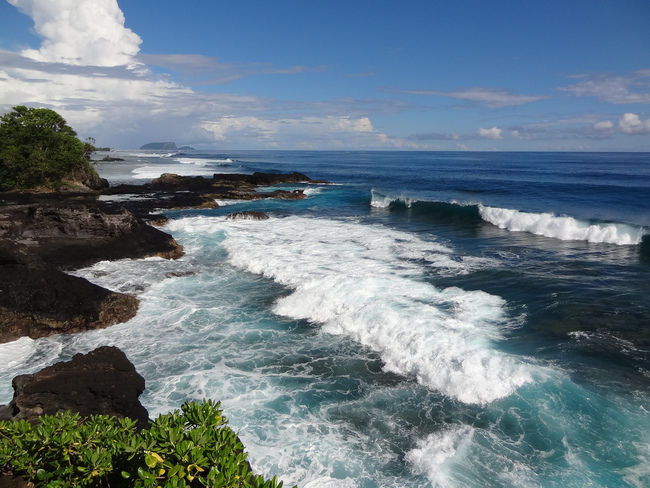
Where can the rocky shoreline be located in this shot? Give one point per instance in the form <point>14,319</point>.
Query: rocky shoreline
<point>42,235</point>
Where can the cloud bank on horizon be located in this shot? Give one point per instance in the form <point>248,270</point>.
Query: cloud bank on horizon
<point>90,68</point>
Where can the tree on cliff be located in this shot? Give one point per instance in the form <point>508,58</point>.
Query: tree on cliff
<point>39,149</point>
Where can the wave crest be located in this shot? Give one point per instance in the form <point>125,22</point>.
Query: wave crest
<point>361,282</point>
<point>384,201</point>
<point>563,228</point>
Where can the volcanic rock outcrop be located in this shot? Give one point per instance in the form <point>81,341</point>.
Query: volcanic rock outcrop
<point>102,382</point>
<point>41,239</point>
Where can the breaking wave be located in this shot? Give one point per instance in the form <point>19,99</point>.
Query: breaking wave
<point>564,228</point>
<point>545,224</point>
<point>362,282</point>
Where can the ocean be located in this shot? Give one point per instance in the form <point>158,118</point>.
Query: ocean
<point>451,319</point>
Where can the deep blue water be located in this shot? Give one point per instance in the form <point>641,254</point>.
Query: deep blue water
<point>432,319</point>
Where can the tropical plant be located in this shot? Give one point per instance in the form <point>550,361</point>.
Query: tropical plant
<point>39,149</point>
<point>190,447</point>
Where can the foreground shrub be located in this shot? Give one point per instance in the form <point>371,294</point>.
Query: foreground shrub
<point>189,447</point>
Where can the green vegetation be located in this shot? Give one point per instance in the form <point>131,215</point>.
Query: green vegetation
<point>190,447</point>
<point>39,150</point>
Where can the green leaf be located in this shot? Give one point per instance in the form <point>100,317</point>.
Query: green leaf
<point>65,450</point>
<point>150,460</point>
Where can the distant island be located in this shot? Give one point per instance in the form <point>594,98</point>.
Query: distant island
<point>160,146</point>
<point>166,146</point>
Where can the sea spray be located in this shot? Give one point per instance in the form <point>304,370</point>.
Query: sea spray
<point>564,228</point>
<point>434,455</point>
<point>384,201</point>
<point>353,280</point>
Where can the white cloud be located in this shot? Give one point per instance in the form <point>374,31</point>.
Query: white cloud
<point>309,132</point>
<point>487,97</point>
<point>88,69</point>
<point>88,32</point>
<point>613,89</point>
<point>632,124</point>
<point>493,133</point>
<point>122,107</point>
<point>605,125</point>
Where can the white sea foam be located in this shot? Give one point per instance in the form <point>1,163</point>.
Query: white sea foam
<point>194,337</point>
<point>638,475</point>
<point>360,281</point>
<point>228,201</point>
<point>123,198</point>
<point>312,190</point>
<point>147,154</point>
<point>434,454</point>
<point>152,171</point>
<point>14,355</point>
<point>331,483</point>
<point>11,354</point>
<point>384,201</point>
<point>204,161</point>
<point>564,228</point>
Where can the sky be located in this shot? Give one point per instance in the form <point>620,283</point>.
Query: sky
<point>467,75</point>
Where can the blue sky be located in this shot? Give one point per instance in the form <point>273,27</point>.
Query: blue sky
<point>409,75</point>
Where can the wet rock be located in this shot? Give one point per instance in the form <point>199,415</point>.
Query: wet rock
<point>42,301</point>
<point>102,382</point>
<point>172,191</point>
<point>179,274</point>
<point>157,220</point>
<point>70,235</point>
<point>40,239</point>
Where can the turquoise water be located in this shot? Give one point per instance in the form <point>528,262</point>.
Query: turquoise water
<point>433,319</point>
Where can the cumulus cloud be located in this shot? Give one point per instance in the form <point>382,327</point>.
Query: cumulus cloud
<point>620,89</point>
<point>122,107</point>
<point>632,124</point>
<point>604,125</point>
<point>487,97</point>
<point>89,32</point>
<point>313,132</point>
<point>493,133</point>
<point>88,68</point>
<point>583,127</point>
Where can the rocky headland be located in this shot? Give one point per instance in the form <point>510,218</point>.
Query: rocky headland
<point>43,235</point>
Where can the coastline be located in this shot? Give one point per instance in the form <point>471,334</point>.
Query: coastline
<point>300,324</point>
<point>42,235</point>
